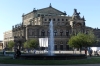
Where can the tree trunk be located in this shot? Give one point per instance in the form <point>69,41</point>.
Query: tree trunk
<point>85,50</point>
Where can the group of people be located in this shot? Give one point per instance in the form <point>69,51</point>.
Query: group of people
<point>17,53</point>
<point>90,51</point>
<point>96,53</point>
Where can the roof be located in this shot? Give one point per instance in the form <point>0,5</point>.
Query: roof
<point>50,10</point>
<point>47,10</point>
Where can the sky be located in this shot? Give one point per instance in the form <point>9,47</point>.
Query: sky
<point>11,11</point>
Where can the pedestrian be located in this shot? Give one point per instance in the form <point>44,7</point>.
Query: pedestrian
<point>85,51</point>
<point>4,52</point>
<point>34,51</point>
<point>91,52</point>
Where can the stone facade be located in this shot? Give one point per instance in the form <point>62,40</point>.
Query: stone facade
<point>97,34</point>
<point>8,36</point>
<point>36,25</point>
<point>1,45</point>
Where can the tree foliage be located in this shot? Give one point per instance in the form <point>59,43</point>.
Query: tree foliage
<point>82,40</point>
<point>32,43</point>
<point>11,44</point>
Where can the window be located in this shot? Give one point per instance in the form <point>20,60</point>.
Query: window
<point>55,33</point>
<point>53,19</point>
<point>30,32</point>
<point>61,47</point>
<point>42,15</point>
<point>38,15</point>
<point>66,20</point>
<point>62,19</point>
<point>33,32</point>
<point>58,19</point>
<point>49,19</point>
<point>45,19</point>
<point>42,33</point>
<point>61,32</point>
<point>46,15</point>
<point>67,33</point>
<point>67,47</point>
<point>55,47</point>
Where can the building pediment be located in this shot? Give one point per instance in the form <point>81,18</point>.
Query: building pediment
<point>49,10</point>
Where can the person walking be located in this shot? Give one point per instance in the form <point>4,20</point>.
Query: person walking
<point>4,52</point>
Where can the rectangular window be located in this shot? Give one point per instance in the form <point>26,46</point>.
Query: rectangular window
<point>61,33</point>
<point>58,19</point>
<point>61,47</point>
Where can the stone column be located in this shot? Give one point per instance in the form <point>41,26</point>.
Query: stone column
<point>27,33</point>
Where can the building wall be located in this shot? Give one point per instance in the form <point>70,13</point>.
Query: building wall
<point>1,45</point>
<point>8,36</point>
<point>26,18</point>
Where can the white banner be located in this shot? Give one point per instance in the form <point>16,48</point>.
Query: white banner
<point>43,42</point>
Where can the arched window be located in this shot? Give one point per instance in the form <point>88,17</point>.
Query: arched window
<point>61,32</point>
<point>42,33</point>
<point>55,32</point>
<point>67,33</point>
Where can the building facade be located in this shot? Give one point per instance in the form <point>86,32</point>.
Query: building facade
<point>8,36</point>
<point>1,45</point>
<point>36,25</point>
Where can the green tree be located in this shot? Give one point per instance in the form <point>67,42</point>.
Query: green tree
<point>11,44</point>
<point>26,44</point>
<point>32,43</point>
<point>82,40</point>
<point>91,39</point>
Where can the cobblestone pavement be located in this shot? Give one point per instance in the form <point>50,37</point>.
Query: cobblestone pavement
<point>51,65</point>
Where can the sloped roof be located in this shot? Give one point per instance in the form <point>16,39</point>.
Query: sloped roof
<point>49,10</point>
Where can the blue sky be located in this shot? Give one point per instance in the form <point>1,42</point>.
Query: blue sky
<point>11,10</point>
